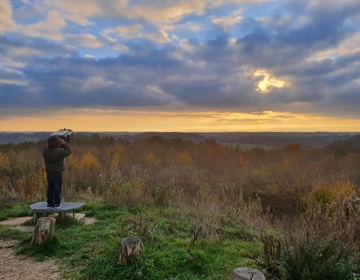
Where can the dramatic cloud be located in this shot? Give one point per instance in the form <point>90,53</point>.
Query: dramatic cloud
<point>221,56</point>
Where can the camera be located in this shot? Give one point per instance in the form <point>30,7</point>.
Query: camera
<point>64,134</point>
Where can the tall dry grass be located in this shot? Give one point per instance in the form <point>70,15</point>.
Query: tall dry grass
<point>166,171</point>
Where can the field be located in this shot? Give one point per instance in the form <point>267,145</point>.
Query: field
<point>200,209</point>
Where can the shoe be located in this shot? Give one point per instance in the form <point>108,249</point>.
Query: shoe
<point>56,205</point>
<point>49,205</point>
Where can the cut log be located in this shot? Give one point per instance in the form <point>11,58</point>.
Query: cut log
<point>246,273</point>
<point>130,249</point>
<point>44,230</point>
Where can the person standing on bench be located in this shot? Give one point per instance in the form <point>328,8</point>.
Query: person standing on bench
<point>54,153</point>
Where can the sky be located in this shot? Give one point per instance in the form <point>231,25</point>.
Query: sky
<point>180,65</point>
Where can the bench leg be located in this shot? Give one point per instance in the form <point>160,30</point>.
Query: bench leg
<point>35,217</point>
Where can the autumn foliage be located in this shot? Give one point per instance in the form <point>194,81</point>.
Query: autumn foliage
<point>313,187</point>
<point>287,182</point>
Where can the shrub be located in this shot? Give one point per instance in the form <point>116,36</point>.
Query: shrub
<point>316,260</point>
<point>272,248</point>
<point>129,191</point>
<point>328,196</point>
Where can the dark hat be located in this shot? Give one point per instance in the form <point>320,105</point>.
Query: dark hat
<point>53,142</point>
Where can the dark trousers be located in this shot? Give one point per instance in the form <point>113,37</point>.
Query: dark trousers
<point>54,181</point>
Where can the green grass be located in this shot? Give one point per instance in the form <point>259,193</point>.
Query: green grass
<point>168,249</point>
<point>8,233</point>
<point>14,211</point>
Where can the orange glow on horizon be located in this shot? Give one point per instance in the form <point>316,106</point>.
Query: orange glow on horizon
<point>138,121</point>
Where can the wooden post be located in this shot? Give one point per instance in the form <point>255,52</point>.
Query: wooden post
<point>44,230</point>
<point>130,249</point>
<point>246,273</point>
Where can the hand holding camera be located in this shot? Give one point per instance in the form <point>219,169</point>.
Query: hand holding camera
<point>62,142</point>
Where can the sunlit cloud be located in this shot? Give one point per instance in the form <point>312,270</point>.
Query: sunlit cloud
<point>189,25</point>
<point>76,11</point>
<point>229,20</point>
<point>350,44</point>
<point>167,12</point>
<point>160,37</point>
<point>49,28</point>
<point>128,31</point>
<point>6,22</point>
<point>181,64</point>
<point>86,40</point>
<point>268,82</point>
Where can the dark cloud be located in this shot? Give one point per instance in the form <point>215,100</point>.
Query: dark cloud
<point>216,73</point>
<point>318,68</point>
<point>38,47</point>
<point>254,41</point>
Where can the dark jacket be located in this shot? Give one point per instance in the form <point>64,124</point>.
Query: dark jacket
<point>54,158</point>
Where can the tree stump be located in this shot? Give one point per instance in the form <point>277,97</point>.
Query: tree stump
<point>44,230</point>
<point>130,249</point>
<point>246,273</point>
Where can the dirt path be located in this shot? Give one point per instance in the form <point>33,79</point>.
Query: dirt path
<point>13,267</point>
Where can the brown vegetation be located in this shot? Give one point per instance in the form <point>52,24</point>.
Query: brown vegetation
<point>309,187</point>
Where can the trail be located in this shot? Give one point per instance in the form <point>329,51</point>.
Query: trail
<point>13,267</point>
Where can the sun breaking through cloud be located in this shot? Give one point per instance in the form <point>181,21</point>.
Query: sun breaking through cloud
<point>268,82</point>
<point>180,57</point>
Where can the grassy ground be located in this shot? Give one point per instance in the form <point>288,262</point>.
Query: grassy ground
<point>13,211</point>
<point>175,244</point>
